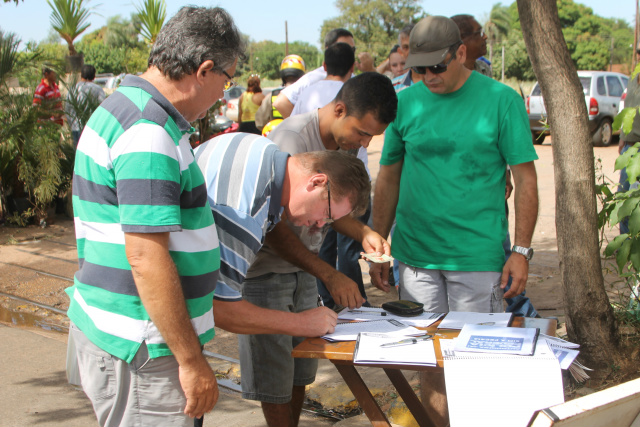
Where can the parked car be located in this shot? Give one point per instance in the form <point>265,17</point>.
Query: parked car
<point>108,81</point>
<point>231,99</point>
<point>602,93</point>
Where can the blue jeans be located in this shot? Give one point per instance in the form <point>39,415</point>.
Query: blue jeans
<point>343,252</point>
<point>520,305</point>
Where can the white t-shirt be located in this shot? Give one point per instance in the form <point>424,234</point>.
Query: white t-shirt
<point>292,92</point>
<point>316,96</point>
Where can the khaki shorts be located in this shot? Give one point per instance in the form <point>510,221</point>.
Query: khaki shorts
<point>145,392</point>
<point>442,291</point>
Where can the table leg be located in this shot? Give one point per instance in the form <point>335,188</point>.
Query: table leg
<point>409,396</point>
<point>434,397</point>
<point>363,395</point>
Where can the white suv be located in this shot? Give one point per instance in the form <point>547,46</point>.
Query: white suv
<point>602,92</point>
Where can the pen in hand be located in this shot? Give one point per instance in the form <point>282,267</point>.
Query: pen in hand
<point>408,341</point>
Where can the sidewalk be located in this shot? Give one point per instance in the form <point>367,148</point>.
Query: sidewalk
<point>34,389</point>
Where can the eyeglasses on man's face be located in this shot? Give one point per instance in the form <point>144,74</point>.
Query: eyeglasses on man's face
<point>329,220</point>
<point>229,83</point>
<point>435,69</point>
<point>480,32</point>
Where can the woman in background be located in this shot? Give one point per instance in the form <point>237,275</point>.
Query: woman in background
<point>248,104</point>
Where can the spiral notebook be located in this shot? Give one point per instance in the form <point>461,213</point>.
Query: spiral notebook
<point>500,390</point>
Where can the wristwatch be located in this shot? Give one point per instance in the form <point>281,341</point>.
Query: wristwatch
<point>525,252</point>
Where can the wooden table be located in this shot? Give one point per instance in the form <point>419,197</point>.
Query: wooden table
<point>341,355</point>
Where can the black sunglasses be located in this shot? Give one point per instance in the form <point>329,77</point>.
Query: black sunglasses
<point>435,69</point>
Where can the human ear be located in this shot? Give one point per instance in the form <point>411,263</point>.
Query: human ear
<point>340,109</point>
<point>204,67</point>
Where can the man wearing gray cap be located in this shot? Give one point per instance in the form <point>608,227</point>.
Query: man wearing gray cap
<point>442,176</point>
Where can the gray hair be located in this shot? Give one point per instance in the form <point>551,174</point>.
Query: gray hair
<point>195,35</point>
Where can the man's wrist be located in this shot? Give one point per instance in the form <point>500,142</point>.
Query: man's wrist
<point>527,253</point>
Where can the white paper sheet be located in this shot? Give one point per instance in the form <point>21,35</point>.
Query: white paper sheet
<point>424,320</point>
<point>350,331</point>
<point>500,390</point>
<point>457,319</point>
<point>369,350</point>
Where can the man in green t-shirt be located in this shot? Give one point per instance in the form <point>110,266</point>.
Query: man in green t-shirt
<point>442,176</point>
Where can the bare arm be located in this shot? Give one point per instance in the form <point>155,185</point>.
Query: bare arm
<point>371,241</point>
<point>158,284</point>
<point>385,201</point>
<point>526,206</point>
<point>283,105</point>
<point>288,246</point>
<point>242,317</point>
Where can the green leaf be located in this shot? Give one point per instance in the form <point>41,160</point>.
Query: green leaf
<point>622,257</point>
<point>615,244</point>
<point>634,254</point>
<point>622,116</point>
<point>627,207</point>
<point>627,121</point>
<point>635,71</point>
<point>614,218</point>
<point>633,169</point>
<point>623,160</point>
<point>634,222</point>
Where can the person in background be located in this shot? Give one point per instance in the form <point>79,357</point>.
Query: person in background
<point>291,69</point>
<point>475,39</point>
<point>248,105</point>
<point>396,61</point>
<point>287,99</point>
<point>48,95</point>
<point>141,306</point>
<point>86,95</point>
<point>411,76</point>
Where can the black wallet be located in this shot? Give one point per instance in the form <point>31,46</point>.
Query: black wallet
<point>404,308</point>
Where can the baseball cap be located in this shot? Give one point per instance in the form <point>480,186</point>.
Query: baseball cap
<point>430,41</point>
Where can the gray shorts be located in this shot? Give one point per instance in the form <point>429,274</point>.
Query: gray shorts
<point>267,368</point>
<point>442,291</point>
<point>145,392</point>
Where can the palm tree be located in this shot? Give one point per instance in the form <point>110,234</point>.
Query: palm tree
<point>152,14</point>
<point>498,25</point>
<point>69,18</point>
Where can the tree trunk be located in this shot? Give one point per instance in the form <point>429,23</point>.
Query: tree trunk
<point>589,315</point>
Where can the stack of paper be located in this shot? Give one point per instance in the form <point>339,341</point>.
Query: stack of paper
<point>497,339</point>
<point>350,331</point>
<point>369,349</point>
<point>423,320</point>
<point>566,354</point>
<point>499,389</point>
<point>457,319</point>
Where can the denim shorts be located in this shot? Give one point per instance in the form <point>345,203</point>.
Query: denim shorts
<point>145,392</point>
<point>442,291</point>
<point>267,368</point>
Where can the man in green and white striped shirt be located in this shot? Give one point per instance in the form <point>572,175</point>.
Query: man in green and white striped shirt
<point>141,303</point>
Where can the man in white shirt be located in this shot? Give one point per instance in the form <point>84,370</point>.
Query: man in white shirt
<point>289,96</point>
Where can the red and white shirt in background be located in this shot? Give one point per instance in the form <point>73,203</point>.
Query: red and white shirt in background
<point>49,95</point>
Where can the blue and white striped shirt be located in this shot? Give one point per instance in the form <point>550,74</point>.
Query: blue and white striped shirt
<point>244,174</point>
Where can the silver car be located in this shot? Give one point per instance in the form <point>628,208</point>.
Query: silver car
<point>602,93</point>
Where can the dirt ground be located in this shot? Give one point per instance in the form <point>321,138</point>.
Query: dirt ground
<point>25,253</point>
